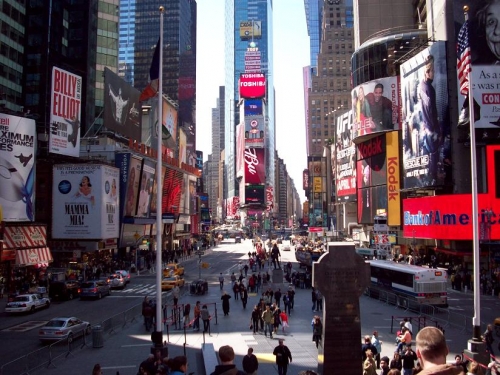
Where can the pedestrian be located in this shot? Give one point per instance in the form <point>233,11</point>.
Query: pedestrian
<point>409,358</point>
<point>97,369</point>
<point>233,279</point>
<point>187,312</point>
<point>377,344</point>
<point>244,296</point>
<point>432,351</point>
<point>277,297</point>
<point>250,363</point>
<point>367,346</point>
<point>197,315</point>
<point>176,293</point>
<point>227,366</point>
<point>225,303</point>
<point>396,362</point>
<point>283,357</point>
<point>284,320</point>
<point>221,281</point>
<point>276,319</point>
<point>177,365</point>
<point>205,316</point>
<point>488,339</point>
<point>408,325</point>
<point>319,301</point>
<point>369,364</point>
<point>404,339</point>
<point>236,291</point>
<point>317,330</point>
<point>246,269</point>
<point>384,365</point>
<point>148,313</point>
<point>286,302</point>
<point>313,299</point>
<point>254,319</point>
<point>268,318</point>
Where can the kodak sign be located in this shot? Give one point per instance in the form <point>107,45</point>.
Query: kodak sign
<point>393,179</point>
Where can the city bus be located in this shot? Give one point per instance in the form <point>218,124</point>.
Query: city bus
<point>422,284</point>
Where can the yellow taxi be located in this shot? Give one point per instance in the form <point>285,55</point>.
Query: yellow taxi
<point>169,283</point>
<point>176,268</point>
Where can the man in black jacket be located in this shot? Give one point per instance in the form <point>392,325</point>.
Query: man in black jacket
<point>227,366</point>
<point>409,357</point>
<point>250,363</point>
<point>283,357</point>
<point>368,346</point>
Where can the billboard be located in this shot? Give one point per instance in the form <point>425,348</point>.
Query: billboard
<point>305,179</point>
<point>65,113</point>
<point>252,85</point>
<point>253,107</point>
<point>85,201</point>
<point>122,109</point>
<point>393,179</point>
<point>254,131</point>
<point>426,128</point>
<point>132,187</point>
<point>17,166</point>
<point>375,106</point>
<point>269,198</point>
<point>255,167</point>
<point>250,30</point>
<point>240,151</point>
<point>344,159</point>
<point>253,62</point>
<point>255,194</point>
<point>146,187</point>
<point>153,205</point>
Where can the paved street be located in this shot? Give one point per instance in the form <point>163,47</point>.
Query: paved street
<point>124,350</point>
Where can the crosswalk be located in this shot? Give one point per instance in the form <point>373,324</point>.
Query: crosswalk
<point>136,290</point>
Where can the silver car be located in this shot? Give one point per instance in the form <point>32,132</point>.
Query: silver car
<point>116,280</point>
<point>125,274</point>
<point>94,289</point>
<point>63,328</point>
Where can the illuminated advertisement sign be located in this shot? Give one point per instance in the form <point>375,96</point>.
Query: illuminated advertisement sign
<point>252,61</point>
<point>253,107</point>
<point>393,179</point>
<point>269,198</point>
<point>254,130</point>
<point>65,113</point>
<point>448,217</point>
<point>371,178</point>
<point>85,201</point>
<point>318,185</point>
<point>122,109</point>
<point>17,166</point>
<point>250,30</point>
<point>240,151</point>
<point>255,194</point>
<point>344,159</point>
<point>375,106</point>
<point>146,187</point>
<point>305,179</point>
<point>485,58</point>
<point>426,133</point>
<point>255,168</point>
<point>252,85</point>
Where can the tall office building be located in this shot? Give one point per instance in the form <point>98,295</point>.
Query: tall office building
<point>314,16</point>
<point>239,42</point>
<point>179,58</point>
<point>127,38</point>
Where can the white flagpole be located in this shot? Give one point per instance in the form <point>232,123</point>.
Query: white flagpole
<point>159,189</point>
<point>476,320</point>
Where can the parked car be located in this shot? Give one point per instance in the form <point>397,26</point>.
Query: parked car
<point>63,328</point>
<point>64,290</point>
<point>177,268</point>
<point>125,274</point>
<point>94,289</point>
<point>170,282</point>
<point>27,302</point>
<point>116,280</point>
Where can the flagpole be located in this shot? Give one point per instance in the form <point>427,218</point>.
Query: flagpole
<point>159,189</point>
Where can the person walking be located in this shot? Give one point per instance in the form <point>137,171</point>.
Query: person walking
<point>197,316</point>
<point>283,357</point>
<point>236,290</point>
<point>221,281</point>
<point>250,363</point>
<point>268,318</point>
<point>254,319</point>
<point>284,320</point>
<point>277,297</point>
<point>313,299</point>
<point>377,344</point>
<point>317,330</point>
<point>187,312</point>
<point>244,296</point>
<point>176,293</point>
<point>225,303</point>
<point>205,316</point>
<point>488,339</point>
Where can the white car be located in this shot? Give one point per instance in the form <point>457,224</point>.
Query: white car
<point>27,302</point>
<point>125,274</point>
<point>63,328</point>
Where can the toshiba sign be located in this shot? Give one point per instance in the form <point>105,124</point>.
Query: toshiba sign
<point>252,85</point>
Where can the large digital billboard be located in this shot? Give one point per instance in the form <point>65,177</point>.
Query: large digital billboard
<point>65,113</point>
<point>344,159</point>
<point>255,167</point>
<point>147,180</point>
<point>250,29</point>
<point>253,107</point>
<point>85,201</point>
<point>255,194</point>
<point>252,85</point>
<point>122,109</point>
<point>17,166</point>
<point>132,187</point>
<point>254,131</point>
<point>426,128</point>
<point>375,106</point>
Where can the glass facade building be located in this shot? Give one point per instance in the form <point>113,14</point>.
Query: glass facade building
<point>127,37</point>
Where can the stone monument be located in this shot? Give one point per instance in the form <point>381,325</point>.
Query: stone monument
<point>341,276</point>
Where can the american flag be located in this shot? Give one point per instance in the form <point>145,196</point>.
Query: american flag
<point>463,61</point>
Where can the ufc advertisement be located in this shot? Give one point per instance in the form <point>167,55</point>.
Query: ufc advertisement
<point>371,178</point>
<point>255,194</point>
<point>254,164</point>
<point>426,129</point>
<point>122,109</point>
<point>252,85</point>
<point>254,131</point>
<point>344,159</point>
<point>448,217</point>
<point>65,113</point>
<point>17,166</point>
<point>375,106</point>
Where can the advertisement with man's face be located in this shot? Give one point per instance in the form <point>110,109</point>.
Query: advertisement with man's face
<point>344,159</point>
<point>85,201</point>
<point>65,113</point>
<point>17,168</point>
<point>375,106</point>
<point>146,187</point>
<point>426,130</point>
<point>130,204</point>
<point>484,41</point>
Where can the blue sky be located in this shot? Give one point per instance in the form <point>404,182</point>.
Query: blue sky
<point>291,54</point>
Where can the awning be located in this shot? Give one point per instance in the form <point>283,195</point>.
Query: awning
<point>32,257</point>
